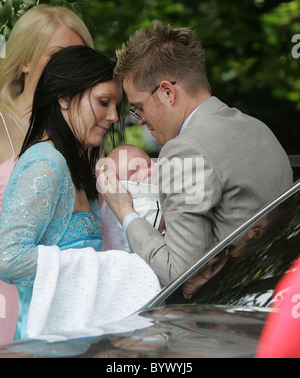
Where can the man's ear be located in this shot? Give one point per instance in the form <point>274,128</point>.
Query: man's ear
<point>255,232</point>
<point>169,90</point>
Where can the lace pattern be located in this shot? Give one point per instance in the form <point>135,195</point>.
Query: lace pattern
<point>37,208</point>
<point>82,226</point>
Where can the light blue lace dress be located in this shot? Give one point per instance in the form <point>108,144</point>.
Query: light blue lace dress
<point>38,210</point>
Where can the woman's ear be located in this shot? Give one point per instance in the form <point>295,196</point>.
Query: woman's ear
<point>26,67</point>
<point>64,103</point>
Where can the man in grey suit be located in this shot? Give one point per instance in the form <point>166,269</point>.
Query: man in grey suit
<point>217,166</point>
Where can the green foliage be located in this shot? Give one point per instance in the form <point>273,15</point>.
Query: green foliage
<point>279,27</point>
<point>10,11</point>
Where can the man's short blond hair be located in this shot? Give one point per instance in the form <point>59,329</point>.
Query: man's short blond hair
<point>163,52</point>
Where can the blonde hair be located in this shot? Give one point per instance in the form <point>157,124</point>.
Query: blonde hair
<point>162,52</point>
<point>27,41</point>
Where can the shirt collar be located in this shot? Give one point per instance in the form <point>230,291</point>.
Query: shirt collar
<point>185,123</point>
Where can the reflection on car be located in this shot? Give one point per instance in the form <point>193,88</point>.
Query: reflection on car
<point>247,270</point>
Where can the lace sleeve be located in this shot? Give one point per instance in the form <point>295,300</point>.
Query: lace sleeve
<point>31,200</point>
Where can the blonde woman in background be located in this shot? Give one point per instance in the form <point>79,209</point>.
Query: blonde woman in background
<point>36,36</point>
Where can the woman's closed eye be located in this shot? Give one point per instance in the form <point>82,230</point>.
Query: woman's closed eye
<point>103,103</point>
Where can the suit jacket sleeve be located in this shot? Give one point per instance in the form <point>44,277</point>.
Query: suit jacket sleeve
<point>190,190</point>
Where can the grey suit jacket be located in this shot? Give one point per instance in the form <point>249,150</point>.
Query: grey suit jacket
<point>239,166</point>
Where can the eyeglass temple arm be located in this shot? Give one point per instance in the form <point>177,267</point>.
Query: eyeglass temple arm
<point>156,88</point>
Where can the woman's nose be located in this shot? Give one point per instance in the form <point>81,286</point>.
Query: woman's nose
<point>112,115</point>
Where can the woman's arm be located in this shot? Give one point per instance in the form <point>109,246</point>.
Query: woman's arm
<point>31,201</point>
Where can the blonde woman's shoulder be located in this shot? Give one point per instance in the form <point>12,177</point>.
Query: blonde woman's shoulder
<point>7,137</point>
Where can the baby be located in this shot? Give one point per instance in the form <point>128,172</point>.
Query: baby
<point>137,172</point>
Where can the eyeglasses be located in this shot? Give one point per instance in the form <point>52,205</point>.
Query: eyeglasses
<point>135,111</point>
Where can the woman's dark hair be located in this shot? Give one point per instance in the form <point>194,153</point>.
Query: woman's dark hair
<point>71,72</point>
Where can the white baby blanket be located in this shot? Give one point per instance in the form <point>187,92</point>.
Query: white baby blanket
<point>77,291</point>
<point>145,198</point>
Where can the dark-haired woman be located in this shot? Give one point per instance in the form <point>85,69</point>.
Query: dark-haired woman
<point>51,198</point>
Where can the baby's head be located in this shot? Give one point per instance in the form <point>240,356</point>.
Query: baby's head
<point>131,163</point>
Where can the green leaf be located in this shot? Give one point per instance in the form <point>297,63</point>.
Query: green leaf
<point>6,11</point>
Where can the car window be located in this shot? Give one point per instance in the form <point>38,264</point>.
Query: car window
<point>247,270</point>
